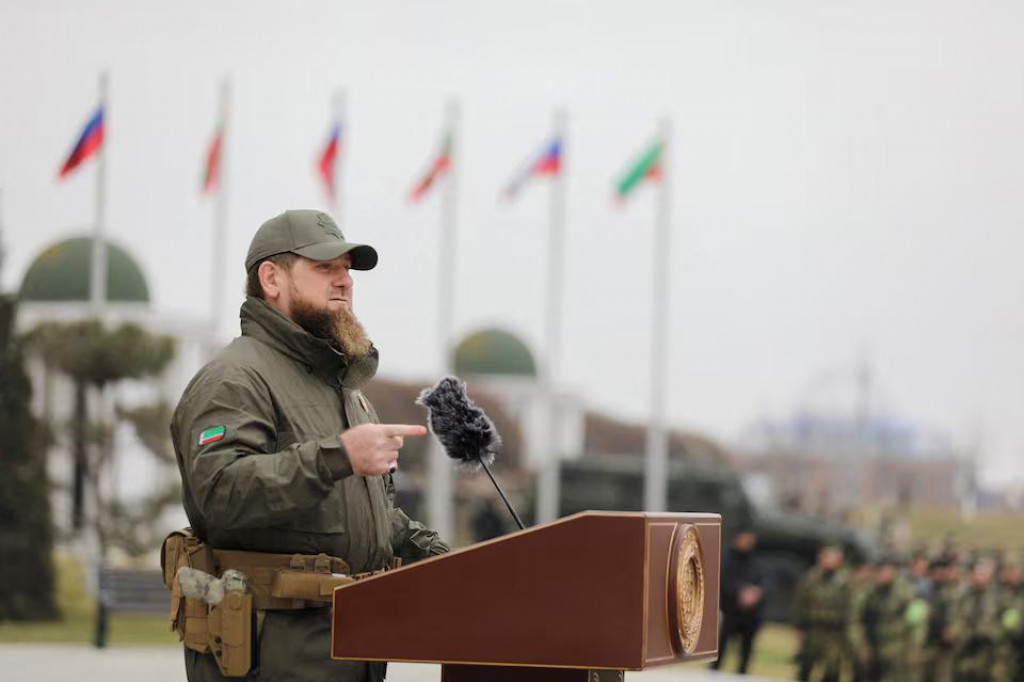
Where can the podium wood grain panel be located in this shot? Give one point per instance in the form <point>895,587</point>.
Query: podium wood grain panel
<point>580,592</point>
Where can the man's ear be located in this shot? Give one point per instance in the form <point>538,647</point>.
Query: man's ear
<point>271,280</point>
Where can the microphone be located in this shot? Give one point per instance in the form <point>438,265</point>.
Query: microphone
<point>467,434</point>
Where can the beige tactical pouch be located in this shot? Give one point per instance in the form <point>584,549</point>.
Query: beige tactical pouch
<point>188,616</point>
<point>305,585</point>
<point>231,639</point>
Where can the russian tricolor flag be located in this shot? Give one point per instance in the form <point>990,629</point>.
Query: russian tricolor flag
<point>89,142</point>
<point>329,159</point>
<point>548,162</point>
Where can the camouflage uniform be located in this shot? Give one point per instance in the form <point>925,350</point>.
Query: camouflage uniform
<point>861,584</point>
<point>1009,665</point>
<point>939,643</point>
<point>821,612</point>
<point>889,632</point>
<point>977,632</point>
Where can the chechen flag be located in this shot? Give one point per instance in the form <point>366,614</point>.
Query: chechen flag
<point>89,143</point>
<point>548,162</point>
<point>646,167</point>
<point>438,167</point>
<point>329,159</point>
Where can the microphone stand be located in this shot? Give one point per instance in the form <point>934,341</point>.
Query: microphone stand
<point>501,492</point>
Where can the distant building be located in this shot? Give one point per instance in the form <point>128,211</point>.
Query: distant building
<point>819,463</point>
<point>499,363</point>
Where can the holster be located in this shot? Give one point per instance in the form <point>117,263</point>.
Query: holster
<point>274,582</point>
<point>231,634</point>
<point>188,616</point>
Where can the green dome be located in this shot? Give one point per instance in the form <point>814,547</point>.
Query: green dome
<point>62,272</point>
<point>494,351</point>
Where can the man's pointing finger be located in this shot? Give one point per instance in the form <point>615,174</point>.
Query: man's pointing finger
<point>406,430</point>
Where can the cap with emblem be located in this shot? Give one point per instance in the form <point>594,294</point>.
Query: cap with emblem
<point>310,234</point>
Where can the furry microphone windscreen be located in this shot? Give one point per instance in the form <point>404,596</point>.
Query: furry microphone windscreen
<point>463,429</point>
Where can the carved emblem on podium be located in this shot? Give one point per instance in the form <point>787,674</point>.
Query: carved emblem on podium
<point>686,589</point>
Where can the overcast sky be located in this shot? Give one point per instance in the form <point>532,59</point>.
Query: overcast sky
<point>846,180</point>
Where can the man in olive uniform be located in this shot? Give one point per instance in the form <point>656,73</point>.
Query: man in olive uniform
<point>940,639</point>
<point>888,633</point>
<point>977,626</point>
<point>280,452</point>
<point>821,612</point>
<point>862,582</point>
<point>1010,661</point>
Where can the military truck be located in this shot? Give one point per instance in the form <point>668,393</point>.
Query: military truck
<point>788,542</point>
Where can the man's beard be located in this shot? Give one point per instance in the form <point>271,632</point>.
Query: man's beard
<point>339,328</point>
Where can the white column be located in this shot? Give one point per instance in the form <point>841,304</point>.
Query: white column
<point>441,515</point>
<point>656,472</point>
<point>548,472</point>
<point>98,283</point>
<point>2,254</point>
<point>340,107</point>
<point>218,257</point>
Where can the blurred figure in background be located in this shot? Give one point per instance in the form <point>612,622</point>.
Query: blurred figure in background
<point>940,637</point>
<point>821,613</point>
<point>919,576</point>
<point>487,521</point>
<point>888,632</point>
<point>742,597</point>
<point>977,627</point>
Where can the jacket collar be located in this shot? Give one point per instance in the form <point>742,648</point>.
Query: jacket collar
<point>265,324</point>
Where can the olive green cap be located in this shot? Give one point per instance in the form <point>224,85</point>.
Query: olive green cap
<point>310,234</point>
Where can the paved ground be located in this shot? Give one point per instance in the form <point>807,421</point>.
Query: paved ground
<point>69,663</point>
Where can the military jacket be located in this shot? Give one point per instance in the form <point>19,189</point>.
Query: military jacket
<point>942,608</point>
<point>890,620</point>
<point>257,436</point>
<point>822,601</point>
<point>977,620</point>
<point>1011,610</point>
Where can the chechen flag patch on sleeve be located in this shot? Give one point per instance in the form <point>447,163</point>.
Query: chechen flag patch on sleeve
<point>211,435</point>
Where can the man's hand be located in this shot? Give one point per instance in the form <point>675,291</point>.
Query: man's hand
<point>373,448</point>
<point>749,597</point>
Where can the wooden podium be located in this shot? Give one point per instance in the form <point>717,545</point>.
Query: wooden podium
<point>580,599</point>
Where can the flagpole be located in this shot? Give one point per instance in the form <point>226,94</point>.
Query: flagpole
<point>340,106</point>
<point>656,472</point>
<point>441,513</point>
<point>218,257</point>
<point>2,252</point>
<point>98,283</point>
<point>548,482</point>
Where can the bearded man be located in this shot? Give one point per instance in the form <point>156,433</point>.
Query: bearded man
<point>283,461</point>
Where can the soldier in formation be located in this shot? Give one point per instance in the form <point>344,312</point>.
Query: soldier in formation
<point>886,632</point>
<point>821,611</point>
<point>940,640</point>
<point>949,620</point>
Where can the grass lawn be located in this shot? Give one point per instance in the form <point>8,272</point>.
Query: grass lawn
<point>125,630</point>
<point>77,626</point>
<point>773,653</point>
<point>982,531</point>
